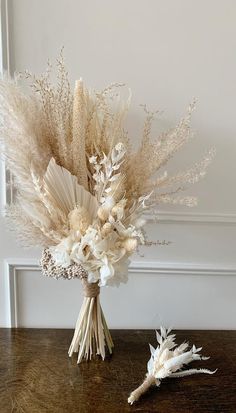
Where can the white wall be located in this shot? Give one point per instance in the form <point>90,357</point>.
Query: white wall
<point>167,52</point>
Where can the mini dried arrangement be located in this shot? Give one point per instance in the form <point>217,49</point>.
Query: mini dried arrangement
<point>82,191</point>
<point>168,360</point>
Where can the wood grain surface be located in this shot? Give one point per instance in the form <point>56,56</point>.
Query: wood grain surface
<point>37,376</point>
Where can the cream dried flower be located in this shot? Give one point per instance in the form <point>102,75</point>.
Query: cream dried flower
<point>168,360</point>
<point>130,244</point>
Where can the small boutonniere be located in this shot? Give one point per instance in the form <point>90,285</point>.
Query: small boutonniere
<point>168,360</point>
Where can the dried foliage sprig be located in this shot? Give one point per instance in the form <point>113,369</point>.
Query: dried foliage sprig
<point>168,360</point>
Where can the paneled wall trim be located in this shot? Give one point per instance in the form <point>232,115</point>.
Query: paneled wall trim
<point>13,265</point>
<point>192,217</point>
<point>4,34</point>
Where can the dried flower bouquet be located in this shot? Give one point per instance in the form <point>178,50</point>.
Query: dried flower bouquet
<point>82,191</point>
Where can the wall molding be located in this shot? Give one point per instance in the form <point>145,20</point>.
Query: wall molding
<point>5,68</point>
<point>167,217</point>
<point>5,37</point>
<point>13,265</point>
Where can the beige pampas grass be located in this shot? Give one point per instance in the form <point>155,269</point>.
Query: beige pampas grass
<point>54,123</point>
<point>78,142</point>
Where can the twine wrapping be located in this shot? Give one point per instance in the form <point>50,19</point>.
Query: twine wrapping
<point>135,395</point>
<point>90,289</point>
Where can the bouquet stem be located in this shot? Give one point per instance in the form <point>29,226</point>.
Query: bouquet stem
<point>91,331</point>
<point>136,394</point>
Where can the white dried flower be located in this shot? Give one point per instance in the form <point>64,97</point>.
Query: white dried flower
<point>168,360</point>
<point>105,208</point>
<point>61,253</point>
<point>130,244</point>
<point>109,202</point>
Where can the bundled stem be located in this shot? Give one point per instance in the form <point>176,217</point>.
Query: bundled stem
<point>91,331</point>
<point>137,393</point>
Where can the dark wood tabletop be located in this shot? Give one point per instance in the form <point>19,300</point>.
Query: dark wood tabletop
<point>37,376</point>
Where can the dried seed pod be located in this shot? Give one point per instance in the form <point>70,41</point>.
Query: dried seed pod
<point>79,219</point>
<point>106,229</point>
<point>103,213</point>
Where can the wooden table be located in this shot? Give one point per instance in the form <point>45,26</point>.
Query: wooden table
<point>36,375</point>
